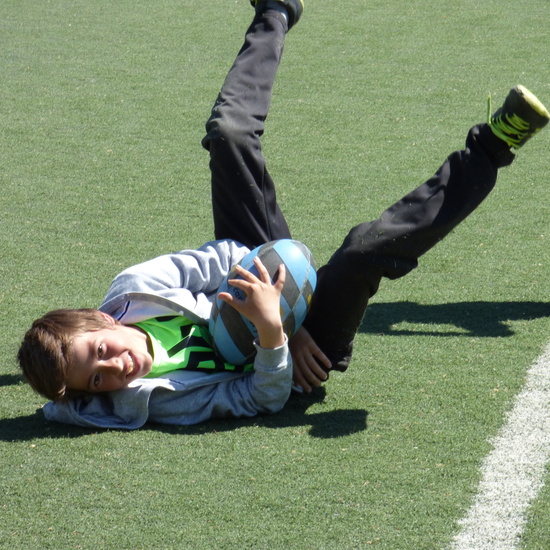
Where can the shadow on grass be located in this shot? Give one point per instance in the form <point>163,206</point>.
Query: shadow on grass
<point>35,426</point>
<point>323,425</point>
<point>10,379</point>
<point>479,319</point>
<point>32,426</point>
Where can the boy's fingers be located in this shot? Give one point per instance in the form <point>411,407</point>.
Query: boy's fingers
<point>299,380</point>
<point>264,276</point>
<point>262,270</point>
<point>304,377</point>
<point>317,372</point>
<point>307,373</point>
<point>227,297</point>
<point>235,303</point>
<point>320,356</point>
<point>239,283</point>
<point>244,273</point>
<point>260,265</point>
<point>282,276</point>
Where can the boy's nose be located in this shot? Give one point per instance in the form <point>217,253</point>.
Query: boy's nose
<point>113,364</point>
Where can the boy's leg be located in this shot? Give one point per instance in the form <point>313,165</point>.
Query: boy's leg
<point>243,194</point>
<point>391,245</point>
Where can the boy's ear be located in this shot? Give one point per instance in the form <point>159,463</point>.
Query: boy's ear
<point>108,318</point>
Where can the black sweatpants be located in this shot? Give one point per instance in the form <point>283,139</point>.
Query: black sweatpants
<point>245,206</point>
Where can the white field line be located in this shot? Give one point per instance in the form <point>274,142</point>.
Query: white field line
<point>513,473</point>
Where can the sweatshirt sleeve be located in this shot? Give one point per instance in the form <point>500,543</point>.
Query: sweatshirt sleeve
<point>197,271</point>
<point>264,391</point>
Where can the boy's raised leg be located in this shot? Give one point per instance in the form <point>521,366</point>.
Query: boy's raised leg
<point>243,193</point>
<point>391,245</point>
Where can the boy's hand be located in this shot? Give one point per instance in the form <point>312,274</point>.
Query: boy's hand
<point>262,305</point>
<point>306,356</point>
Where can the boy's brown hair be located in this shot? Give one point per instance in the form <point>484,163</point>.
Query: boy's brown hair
<point>46,350</point>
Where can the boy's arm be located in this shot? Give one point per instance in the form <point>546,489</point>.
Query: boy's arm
<point>267,389</point>
<point>200,270</point>
<point>264,391</point>
<point>189,278</point>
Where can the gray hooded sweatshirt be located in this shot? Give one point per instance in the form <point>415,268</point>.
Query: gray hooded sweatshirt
<point>184,283</point>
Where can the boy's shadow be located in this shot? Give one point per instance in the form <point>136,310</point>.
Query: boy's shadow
<point>479,319</point>
<point>32,426</point>
<point>322,425</point>
<point>35,426</point>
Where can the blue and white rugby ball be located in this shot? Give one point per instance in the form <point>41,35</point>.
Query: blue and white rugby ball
<point>233,334</point>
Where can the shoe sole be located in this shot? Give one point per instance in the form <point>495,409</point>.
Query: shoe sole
<point>533,101</point>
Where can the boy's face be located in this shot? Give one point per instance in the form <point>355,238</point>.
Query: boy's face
<point>109,359</point>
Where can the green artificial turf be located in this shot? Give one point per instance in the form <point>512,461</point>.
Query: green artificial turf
<point>102,111</point>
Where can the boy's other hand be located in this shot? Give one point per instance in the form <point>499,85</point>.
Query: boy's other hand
<point>306,356</point>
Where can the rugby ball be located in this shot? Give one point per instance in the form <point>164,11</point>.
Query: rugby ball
<point>233,334</point>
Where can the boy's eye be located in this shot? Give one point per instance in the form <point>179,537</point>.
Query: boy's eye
<point>96,380</point>
<point>100,351</point>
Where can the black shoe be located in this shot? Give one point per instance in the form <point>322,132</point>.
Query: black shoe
<point>294,8</point>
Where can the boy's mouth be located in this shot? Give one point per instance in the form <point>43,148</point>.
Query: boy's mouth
<point>132,367</point>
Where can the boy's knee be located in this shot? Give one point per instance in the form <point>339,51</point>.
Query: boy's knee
<point>227,131</point>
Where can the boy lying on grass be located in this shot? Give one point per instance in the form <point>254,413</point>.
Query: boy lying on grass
<point>146,353</point>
